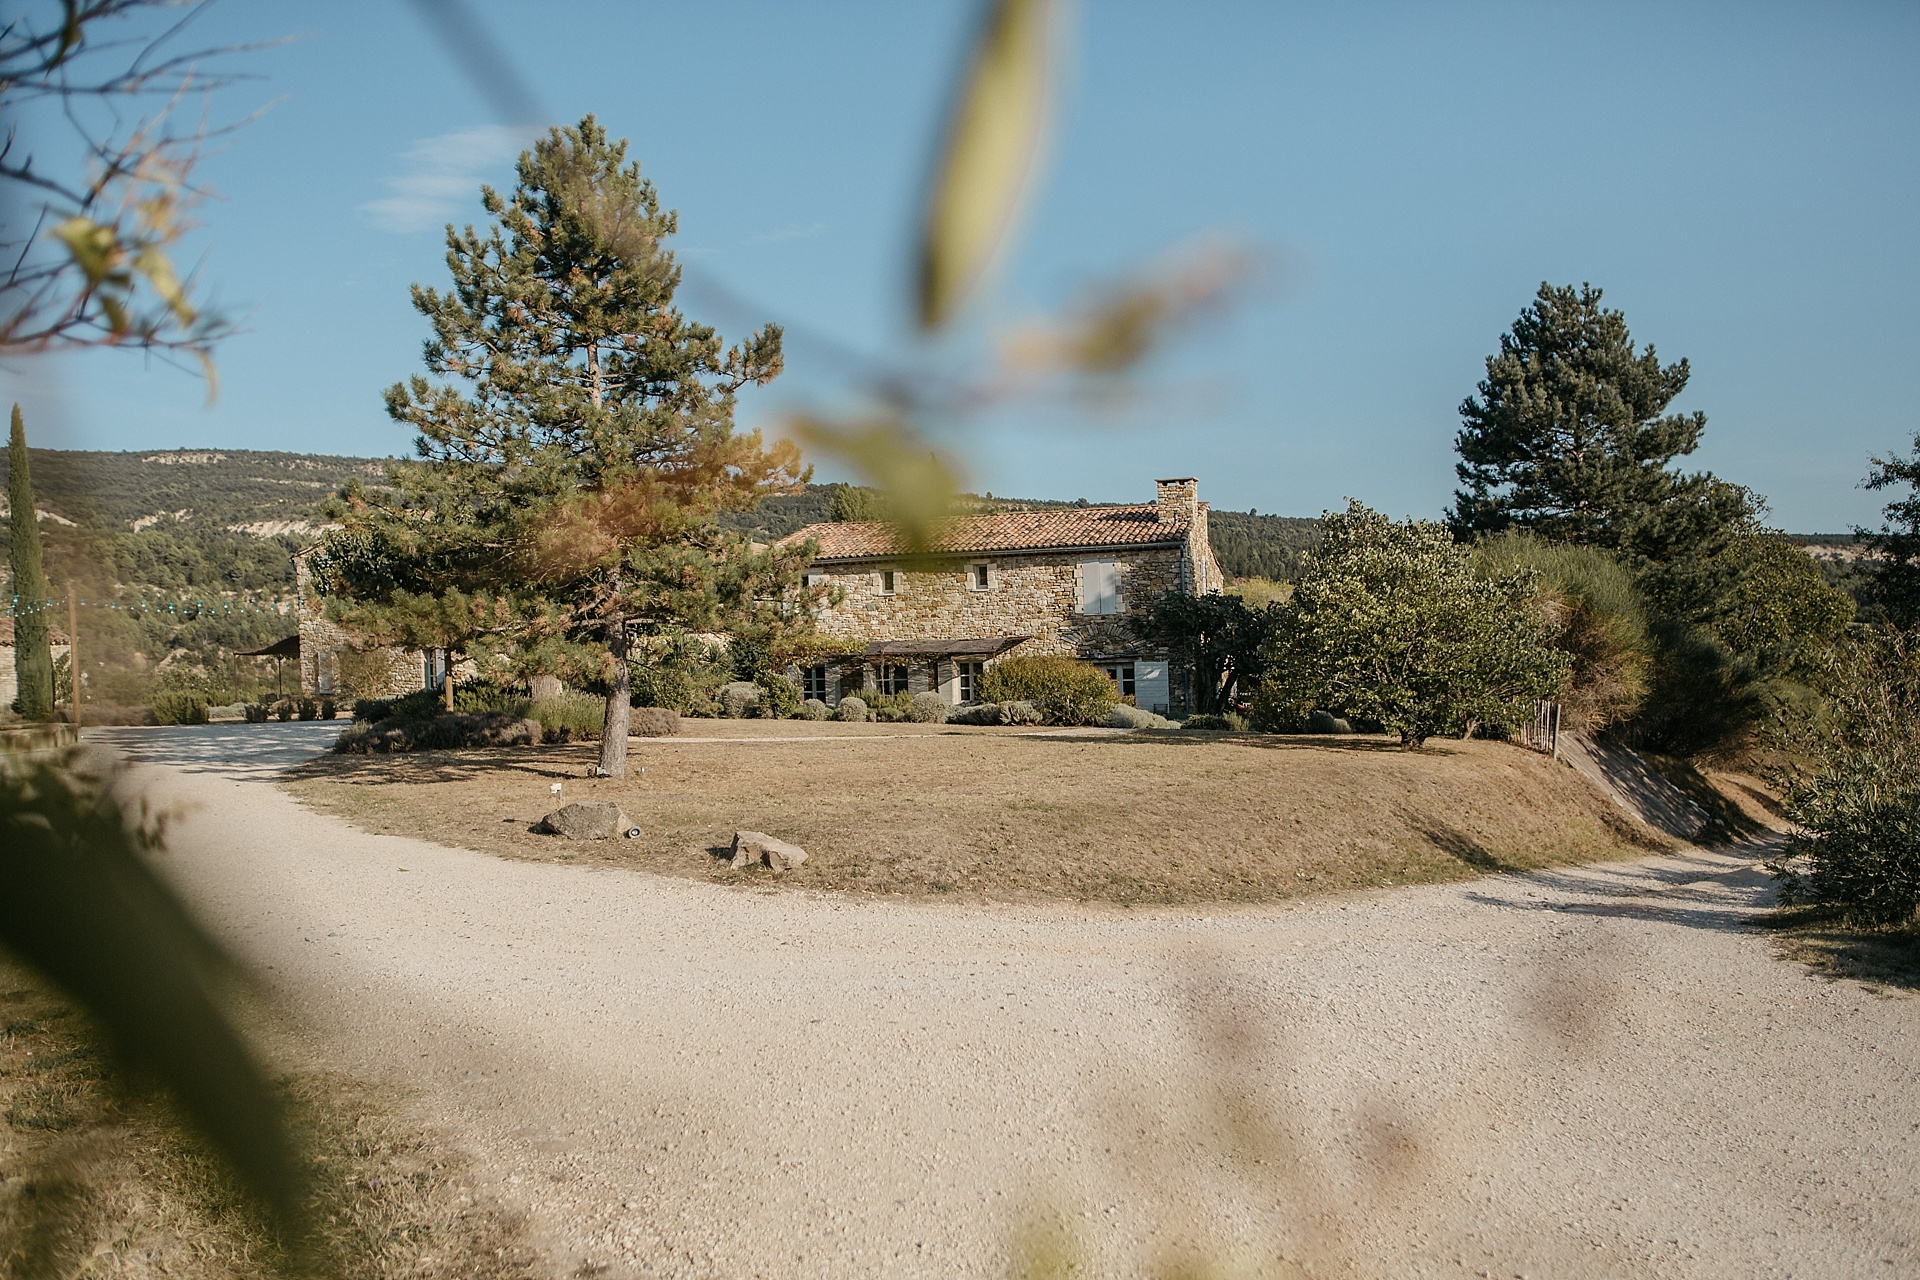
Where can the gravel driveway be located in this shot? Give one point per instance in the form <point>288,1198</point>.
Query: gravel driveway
<point>1588,1072</point>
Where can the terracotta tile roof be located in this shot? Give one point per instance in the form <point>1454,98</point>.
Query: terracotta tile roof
<point>1003,531</point>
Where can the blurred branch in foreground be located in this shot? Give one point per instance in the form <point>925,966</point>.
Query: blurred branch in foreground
<point>88,237</point>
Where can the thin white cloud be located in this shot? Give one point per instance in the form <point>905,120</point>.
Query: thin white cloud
<point>443,176</point>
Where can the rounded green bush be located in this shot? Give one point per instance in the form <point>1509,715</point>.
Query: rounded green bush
<point>852,710</point>
<point>1066,690</point>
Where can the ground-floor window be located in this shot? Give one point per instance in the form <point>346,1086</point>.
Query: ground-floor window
<point>813,683</point>
<point>891,677</point>
<point>1121,673</point>
<point>967,680</point>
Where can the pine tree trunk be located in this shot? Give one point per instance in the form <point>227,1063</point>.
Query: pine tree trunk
<point>613,734</point>
<point>32,641</point>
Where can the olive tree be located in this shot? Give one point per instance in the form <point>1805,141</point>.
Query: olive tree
<point>1390,622</point>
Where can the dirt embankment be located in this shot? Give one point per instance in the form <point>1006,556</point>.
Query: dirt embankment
<point>992,815</point>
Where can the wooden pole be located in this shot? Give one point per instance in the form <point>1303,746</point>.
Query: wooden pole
<point>73,650</point>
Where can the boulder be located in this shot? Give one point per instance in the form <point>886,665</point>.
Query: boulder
<point>587,820</point>
<point>751,848</point>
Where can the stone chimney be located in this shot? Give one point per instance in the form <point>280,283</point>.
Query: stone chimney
<point>1179,500</point>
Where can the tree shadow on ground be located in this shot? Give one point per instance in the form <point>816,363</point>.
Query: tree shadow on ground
<point>1355,743</point>
<point>564,762</point>
<point>1818,937</point>
<point>1720,889</point>
<point>1455,843</point>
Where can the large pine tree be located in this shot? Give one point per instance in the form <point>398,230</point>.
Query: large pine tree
<point>32,639</point>
<point>1571,437</point>
<point>577,448</point>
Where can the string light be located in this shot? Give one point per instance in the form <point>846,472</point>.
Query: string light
<point>189,609</point>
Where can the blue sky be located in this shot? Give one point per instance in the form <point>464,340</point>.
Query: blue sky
<point>1741,179</point>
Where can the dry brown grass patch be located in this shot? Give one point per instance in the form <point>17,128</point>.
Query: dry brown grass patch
<point>1003,815</point>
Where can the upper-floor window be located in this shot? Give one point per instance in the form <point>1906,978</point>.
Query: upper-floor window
<point>887,577</point>
<point>979,577</point>
<point>1099,586</point>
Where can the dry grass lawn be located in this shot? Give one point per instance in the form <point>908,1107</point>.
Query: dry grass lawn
<point>999,814</point>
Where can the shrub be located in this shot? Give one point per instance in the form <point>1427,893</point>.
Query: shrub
<point>977,713</point>
<point>665,684</point>
<point>1066,690</point>
<point>779,697</point>
<point>1231,721</point>
<point>1326,722</point>
<point>255,712</point>
<point>569,716</point>
<point>1020,712</point>
<point>1857,809</point>
<point>307,709</point>
<point>451,732</point>
<point>283,710</point>
<point>814,709</point>
<point>888,708</point>
<point>485,695</point>
<point>421,704</point>
<point>1391,622</point>
<point>1595,614</point>
<point>328,709</point>
<point>852,710</point>
<point>927,708</point>
<point>179,708</point>
<point>100,713</point>
<point>738,698</point>
<point>1126,717</point>
<point>653,722</point>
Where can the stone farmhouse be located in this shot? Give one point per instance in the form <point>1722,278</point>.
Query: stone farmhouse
<point>1072,581</point>
<point>331,663</point>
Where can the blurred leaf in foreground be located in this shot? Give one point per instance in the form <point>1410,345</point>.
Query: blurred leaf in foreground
<point>920,487</point>
<point>992,144</point>
<point>1116,326</point>
<point>82,907</point>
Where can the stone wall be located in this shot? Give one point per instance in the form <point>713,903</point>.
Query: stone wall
<point>1032,595</point>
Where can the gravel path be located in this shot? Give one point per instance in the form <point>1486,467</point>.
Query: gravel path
<point>1589,1072</point>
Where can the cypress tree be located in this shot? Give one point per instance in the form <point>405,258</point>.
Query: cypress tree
<point>32,644</point>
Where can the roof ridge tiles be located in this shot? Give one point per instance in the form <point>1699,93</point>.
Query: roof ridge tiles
<point>1061,528</point>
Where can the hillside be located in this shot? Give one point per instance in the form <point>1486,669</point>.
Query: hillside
<point>180,557</point>
<point>185,522</point>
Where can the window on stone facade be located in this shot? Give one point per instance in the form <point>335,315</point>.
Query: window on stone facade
<point>978,577</point>
<point>891,677</point>
<point>813,683</point>
<point>886,582</point>
<point>1122,676</point>
<point>967,680</point>
<point>1099,586</point>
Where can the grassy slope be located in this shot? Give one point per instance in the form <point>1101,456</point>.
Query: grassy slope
<point>921,810</point>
